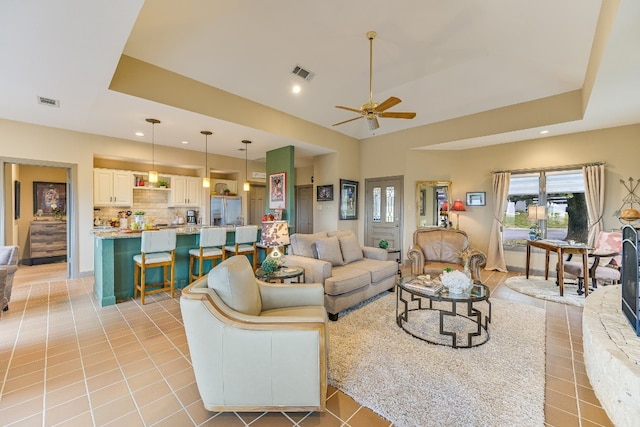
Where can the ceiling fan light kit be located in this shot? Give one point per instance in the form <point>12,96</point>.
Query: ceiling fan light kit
<point>370,110</point>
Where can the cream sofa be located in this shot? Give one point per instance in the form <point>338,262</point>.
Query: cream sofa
<point>349,272</point>
<point>8,267</point>
<point>435,249</point>
<point>256,346</point>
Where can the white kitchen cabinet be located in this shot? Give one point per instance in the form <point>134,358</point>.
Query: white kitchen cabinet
<point>112,187</point>
<point>185,191</point>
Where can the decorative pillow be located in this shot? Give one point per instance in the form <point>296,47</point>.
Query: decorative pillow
<point>305,244</point>
<point>351,250</point>
<point>234,281</point>
<point>329,250</point>
<point>339,233</point>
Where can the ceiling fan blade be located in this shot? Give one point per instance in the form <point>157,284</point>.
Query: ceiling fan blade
<point>406,115</point>
<point>390,102</point>
<point>349,109</point>
<point>347,121</point>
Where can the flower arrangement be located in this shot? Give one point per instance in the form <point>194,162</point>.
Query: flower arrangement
<point>465,254</point>
<point>57,212</point>
<point>456,281</point>
<point>269,265</point>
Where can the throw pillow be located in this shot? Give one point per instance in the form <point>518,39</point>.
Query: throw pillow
<point>351,250</point>
<point>234,281</point>
<point>329,250</point>
<point>305,244</point>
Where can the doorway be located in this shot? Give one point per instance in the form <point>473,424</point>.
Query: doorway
<point>15,231</point>
<point>256,208</point>
<point>383,215</point>
<point>304,209</point>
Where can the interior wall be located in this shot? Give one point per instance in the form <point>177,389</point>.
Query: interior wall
<point>28,175</point>
<point>471,170</point>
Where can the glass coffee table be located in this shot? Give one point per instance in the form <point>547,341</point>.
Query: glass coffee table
<point>281,274</point>
<point>455,320</point>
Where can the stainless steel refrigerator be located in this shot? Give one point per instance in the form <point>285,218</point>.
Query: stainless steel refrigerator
<point>226,210</point>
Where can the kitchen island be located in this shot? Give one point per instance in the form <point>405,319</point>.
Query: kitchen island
<point>113,261</point>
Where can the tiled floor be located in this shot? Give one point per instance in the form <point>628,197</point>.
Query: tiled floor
<point>66,361</point>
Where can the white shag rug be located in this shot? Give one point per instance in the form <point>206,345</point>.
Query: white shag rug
<point>414,383</point>
<point>538,287</point>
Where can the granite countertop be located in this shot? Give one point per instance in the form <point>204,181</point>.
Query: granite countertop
<point>116,233</point>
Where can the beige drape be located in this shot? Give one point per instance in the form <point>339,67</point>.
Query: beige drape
<point>594,196</point>
<point>495,254</point>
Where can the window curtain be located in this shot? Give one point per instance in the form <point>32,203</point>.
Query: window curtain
<point>594,196</point>
<point>495,255</point>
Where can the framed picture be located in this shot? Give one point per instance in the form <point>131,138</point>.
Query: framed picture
<point>477,199</point>
<point>16,207</point>
<point>277,190</point>
<point>324,193</point>
<point>49,195</point>
<point>348,199</point>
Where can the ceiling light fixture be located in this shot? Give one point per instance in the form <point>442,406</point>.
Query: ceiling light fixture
<point>206,181</point>
<point>544,132</point>
<point>246,186</point>
<point>296,89</point>
<point>153,173</point>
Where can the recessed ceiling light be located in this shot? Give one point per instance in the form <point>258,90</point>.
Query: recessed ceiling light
<point>296,89</point>
<point>139,134</point>
<point>544,132</point>
<point>185,142</point>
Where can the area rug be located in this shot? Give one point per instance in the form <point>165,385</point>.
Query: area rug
<point>414,383</point>
<point>538,287</point>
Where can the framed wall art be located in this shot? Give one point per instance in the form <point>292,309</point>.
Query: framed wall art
<point>477,199</point>
<point>49,195</point>
<point>277,190</point>
<point>348,199</point>
<point>324,193</point>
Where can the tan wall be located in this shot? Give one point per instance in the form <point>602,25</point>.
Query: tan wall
<point>471,170</point>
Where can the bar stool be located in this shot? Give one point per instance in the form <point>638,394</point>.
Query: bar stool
<point>245,244</point>
<point>212,242</point>
<point>158,250</point>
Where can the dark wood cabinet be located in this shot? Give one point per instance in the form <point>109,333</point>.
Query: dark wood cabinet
<point>47,241</point>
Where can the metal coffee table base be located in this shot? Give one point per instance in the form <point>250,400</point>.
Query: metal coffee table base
<point>473,315</point>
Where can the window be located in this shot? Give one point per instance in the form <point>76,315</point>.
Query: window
<point>564,216</point>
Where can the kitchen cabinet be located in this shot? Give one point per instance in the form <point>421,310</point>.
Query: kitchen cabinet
<point>112,187</point>
<point>185,191</point>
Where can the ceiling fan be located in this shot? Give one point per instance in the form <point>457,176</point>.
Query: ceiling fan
<point>371,111</point>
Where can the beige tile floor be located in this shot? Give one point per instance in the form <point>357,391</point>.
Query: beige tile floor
<point>65,361</point>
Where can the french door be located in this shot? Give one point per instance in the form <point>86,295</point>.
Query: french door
<point>383,211</point>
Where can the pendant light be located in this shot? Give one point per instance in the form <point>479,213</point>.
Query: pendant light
<point>246,186</point>
<point>206,181</point>
<point>153,173</point>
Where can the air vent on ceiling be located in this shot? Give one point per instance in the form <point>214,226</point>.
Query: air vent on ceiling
<point>48,101</point>
<point>301,72</point>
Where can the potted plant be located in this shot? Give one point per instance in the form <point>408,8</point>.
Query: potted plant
<point>163,184</point>
<point>139,215</point>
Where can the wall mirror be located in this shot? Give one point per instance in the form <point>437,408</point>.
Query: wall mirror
<point>433,201</point>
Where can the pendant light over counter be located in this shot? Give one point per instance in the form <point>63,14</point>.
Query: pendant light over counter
<point>246,186</point>
<point>206,181</point>
<point>153,173</point>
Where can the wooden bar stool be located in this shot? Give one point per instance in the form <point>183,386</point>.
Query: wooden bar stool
<point>212,242</point>
<point>245,244</point>
<point>158,250</point>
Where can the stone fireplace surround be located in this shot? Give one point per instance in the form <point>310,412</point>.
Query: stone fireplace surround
<point>612,355</point>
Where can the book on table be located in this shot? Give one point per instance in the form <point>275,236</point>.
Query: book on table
<point>427,286</point>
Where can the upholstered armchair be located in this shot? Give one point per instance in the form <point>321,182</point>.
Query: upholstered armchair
<point>435,249</point>
<point>8,267</point>
<point>256,346</point>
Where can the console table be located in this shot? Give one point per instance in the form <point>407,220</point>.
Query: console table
<point>560,247</point>
<point>47,241</point>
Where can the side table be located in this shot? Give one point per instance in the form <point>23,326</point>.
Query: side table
<point>396,253</point>
<point>281,274</point>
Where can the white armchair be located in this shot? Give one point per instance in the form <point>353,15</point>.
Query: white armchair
<point>256,346</point>
<point>8,267</point>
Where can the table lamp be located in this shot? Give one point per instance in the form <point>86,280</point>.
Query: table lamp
<point>275,235</point>
<point>458,207</point>
<point>537,213</point>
